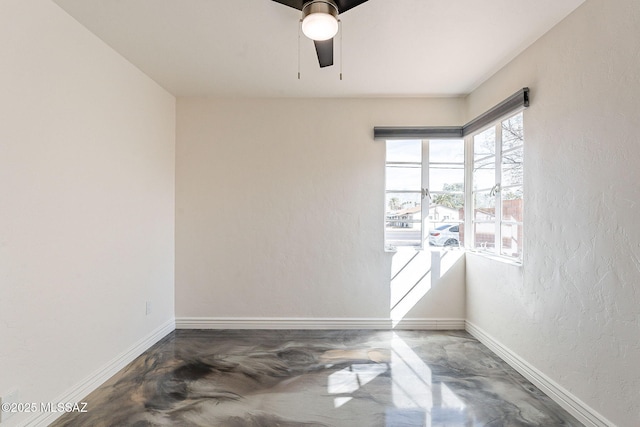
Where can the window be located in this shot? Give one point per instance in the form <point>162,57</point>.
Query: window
<point>404,194</point>
<point>497,194</point>
<point>441,183</point>
<point>427,204</point>
<point>419,198</point>
<point>446,190</point>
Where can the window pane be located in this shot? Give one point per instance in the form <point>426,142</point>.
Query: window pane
<point>439,214</point>
<point>398,236</point>
<point>409,150</point>
<point>451,201</point>
<point>404,178</point>
<point>512,167</point>
<point>484,173</point>
<point>512,204</point>
<point>512,240</point>
<point>402,201</point>
<point>484,216</point>
<point>484,144</point>
<point>446,151</point>
<point>446,178</point>
<point>484,206</point>
<point>485,236</point>
<point>445,234</point>
<point>512,132</point>
<point>403,219</point>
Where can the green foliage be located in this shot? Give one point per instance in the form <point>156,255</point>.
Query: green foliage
<point>454,198</point>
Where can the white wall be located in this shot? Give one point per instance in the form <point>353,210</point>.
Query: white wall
<point>573,310</point>
<point>86,202</point>
<point>280,208</point>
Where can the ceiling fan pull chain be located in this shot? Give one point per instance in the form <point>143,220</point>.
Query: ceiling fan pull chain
<point>340,28</point>
<point>299,28</point>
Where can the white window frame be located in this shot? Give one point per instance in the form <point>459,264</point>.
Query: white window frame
<point>424,207</point>
<point>425,202</point>
<point>431,193</point>
<point>469,194</point>
<point>511,106</point>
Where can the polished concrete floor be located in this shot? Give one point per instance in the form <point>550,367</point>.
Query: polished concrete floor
<point>318,378</point>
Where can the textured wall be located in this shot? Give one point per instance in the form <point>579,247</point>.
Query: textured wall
<point>86,202</point>
<point>573,309</point>
<point>280,207</point>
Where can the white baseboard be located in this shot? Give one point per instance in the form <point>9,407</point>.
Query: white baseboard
<point>313,323</point>
<point>93,381</point>
<point>431,324</point>
<point>560,395</point>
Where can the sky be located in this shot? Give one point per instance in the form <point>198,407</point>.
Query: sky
<point>449,151</point>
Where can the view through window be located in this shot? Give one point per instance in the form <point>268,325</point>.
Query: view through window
<point>404,193</point>
<point>446,191</point>
<point>427,189</point>
<point>424,186</point>
<point>498,188</point>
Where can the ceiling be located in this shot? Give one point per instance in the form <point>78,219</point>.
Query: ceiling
<point>250,47</point>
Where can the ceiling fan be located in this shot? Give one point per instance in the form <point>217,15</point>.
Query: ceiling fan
<point>320,22</point>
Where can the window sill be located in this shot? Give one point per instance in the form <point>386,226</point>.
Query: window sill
<point>395,249</point>
<point>502,259</point>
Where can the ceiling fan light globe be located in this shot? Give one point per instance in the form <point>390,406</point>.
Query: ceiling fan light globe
<point>320,26</point>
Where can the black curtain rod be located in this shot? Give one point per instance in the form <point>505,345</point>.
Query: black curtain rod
<point>516,101</point>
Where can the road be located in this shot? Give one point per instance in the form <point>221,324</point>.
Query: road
<point>394,235</point>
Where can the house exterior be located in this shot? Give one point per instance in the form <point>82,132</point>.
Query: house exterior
<point>408,217</point>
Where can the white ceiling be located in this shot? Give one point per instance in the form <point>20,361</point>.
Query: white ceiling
<point>250,47</point>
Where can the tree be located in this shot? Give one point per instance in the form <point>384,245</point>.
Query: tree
<point>512,153</point>
<point>453,196</point>
<point>512,136</point>
<point>394,204</point>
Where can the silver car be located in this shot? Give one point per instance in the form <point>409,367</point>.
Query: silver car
<point>445,235</point>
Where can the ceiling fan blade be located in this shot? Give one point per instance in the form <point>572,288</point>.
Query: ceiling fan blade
<point>324,49</point>
<point>344,5</point>
<point>296,4</point>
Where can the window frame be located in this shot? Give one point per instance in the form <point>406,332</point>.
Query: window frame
<point>424,208</point>
<point>468,221</point>
<point>434,193</point>
<point>509,107</point>
<point>470,244</point>
<point>426,194</point>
